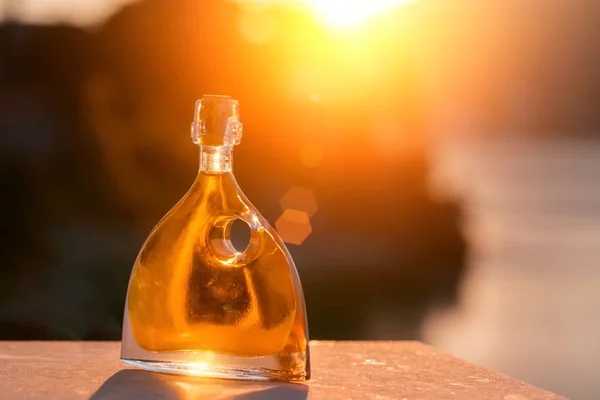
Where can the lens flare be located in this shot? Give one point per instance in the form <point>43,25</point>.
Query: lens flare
<point>347,14</point>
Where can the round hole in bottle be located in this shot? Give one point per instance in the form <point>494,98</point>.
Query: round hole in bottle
<point>239,234</point>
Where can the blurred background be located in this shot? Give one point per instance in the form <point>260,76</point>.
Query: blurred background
<point>433,165</point>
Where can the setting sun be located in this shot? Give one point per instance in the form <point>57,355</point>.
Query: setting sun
<point>346,14</point>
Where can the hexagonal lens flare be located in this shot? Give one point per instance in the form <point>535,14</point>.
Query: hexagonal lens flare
<point>298,198</point>
<point>293,226</point>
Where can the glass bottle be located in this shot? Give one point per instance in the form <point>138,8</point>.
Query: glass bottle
<point>195,304</point>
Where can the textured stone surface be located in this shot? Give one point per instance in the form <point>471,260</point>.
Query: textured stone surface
<point>341,370</point>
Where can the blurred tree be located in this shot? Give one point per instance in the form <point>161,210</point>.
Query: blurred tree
<point>113,156</point>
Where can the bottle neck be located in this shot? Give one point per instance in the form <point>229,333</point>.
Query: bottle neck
<point>215,159</point>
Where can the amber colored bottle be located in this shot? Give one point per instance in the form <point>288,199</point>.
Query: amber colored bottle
<point>196,304</point>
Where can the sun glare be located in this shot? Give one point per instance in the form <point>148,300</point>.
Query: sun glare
<point>347,14</point>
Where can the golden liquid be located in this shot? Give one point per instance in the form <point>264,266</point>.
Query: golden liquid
<point>191,290</point>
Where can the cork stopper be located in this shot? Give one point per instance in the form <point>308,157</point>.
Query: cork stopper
<point>216,122</point>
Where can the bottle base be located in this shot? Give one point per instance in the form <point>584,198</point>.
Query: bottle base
<point>211,371</point>
<point>277,367</point>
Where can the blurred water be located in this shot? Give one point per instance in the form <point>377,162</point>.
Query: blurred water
<point>530,304</point>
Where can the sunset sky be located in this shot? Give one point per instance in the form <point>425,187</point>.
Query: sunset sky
<point>339,14</point>
<point>78,12</point>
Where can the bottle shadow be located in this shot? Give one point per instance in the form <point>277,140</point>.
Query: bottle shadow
<point>142,385</point>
